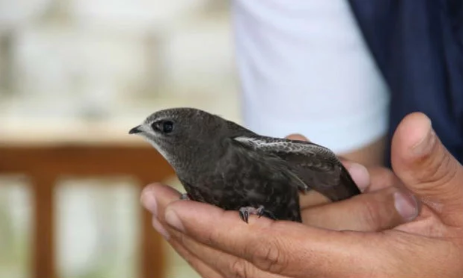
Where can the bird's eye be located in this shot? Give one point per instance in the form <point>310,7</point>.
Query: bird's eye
<point>168,126</point>
<point>163,126</point>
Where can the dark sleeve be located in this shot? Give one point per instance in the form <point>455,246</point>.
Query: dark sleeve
<point>418,48</point>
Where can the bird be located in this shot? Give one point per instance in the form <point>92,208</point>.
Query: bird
<point>222,163</point>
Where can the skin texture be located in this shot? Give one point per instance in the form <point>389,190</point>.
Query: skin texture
<point>383,235</point>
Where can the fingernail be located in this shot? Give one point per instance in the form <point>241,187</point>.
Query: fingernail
<point>148,200</point>
<point>159,228</point>
<point>173,220</point>
<point>425,144</point>
<point>406,205</point>
<point>296,136</point>
<point>359,174</point>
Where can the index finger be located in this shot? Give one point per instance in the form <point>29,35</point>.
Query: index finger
<point>280,247</point>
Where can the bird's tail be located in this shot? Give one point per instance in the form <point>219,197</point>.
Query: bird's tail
<point>346,188</point>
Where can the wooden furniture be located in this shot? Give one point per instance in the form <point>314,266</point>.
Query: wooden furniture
<point>46,157</point>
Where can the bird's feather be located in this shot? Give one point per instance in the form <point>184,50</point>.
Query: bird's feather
<point>224,164</point>
<point>315,166</point>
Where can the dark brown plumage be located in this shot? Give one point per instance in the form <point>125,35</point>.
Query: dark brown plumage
<point>224,164</point>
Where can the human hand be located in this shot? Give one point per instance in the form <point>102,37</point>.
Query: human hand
<point>369,212</point>
<point>217,245</point>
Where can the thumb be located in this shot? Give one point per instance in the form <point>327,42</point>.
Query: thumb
<point>426,167</point>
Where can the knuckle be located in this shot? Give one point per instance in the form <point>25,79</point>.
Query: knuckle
<point>239,269</point>
<point>271,257</point>
<point>439,173</point>
<point>439,169</point>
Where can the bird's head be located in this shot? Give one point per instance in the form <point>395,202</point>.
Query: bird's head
<point>181,133</point>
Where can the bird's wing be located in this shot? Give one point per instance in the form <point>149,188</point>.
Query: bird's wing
<point>316,166</point>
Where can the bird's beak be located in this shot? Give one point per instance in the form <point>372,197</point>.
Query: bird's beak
<point>135,130</point>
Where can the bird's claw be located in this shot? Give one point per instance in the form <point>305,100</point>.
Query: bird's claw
<point>185,196</point>
<point>245,212</point>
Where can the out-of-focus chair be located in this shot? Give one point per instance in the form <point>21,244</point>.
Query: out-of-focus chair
<point>43,158</point>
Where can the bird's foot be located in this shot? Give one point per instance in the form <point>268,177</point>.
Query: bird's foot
<point>185,196</point>
<point>260,211</point>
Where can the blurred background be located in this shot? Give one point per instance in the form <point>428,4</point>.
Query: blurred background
<point>82,72</point>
